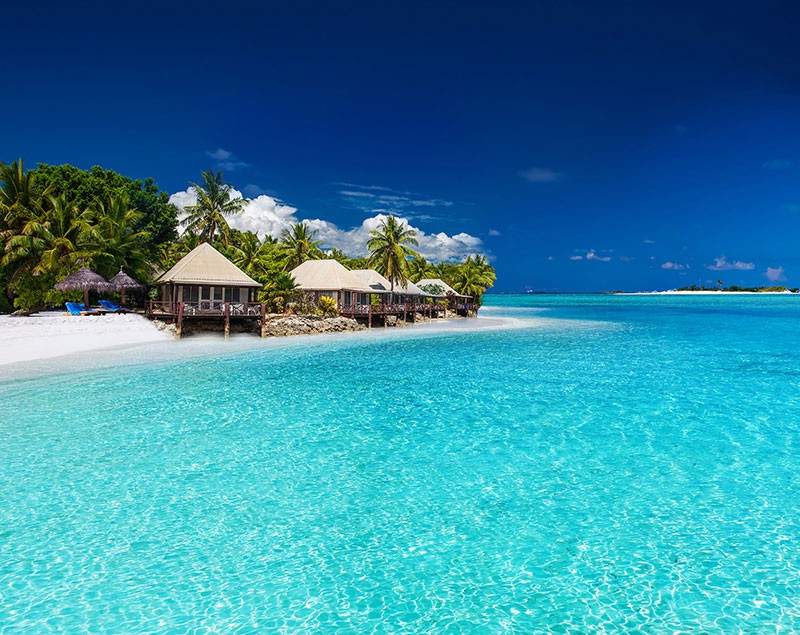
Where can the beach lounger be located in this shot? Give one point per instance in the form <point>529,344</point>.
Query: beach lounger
<point>112,307</point>
<point>79,309</point>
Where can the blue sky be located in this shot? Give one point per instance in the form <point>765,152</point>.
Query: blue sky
<point>584,146</point>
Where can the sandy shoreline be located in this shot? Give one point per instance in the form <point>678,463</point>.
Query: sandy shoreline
<point>53,334</point>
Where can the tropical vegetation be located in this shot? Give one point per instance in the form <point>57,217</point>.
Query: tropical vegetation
<point>56,218</point>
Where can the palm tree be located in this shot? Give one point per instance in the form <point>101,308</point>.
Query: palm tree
<point>279,291</point>
<point>473,277</point>
<point>390,251</point>
<point>115,240</point>
<point>253,256</point>
<point>18,197</point>
<point>419,268</point>
<point>49,240</point>
<point>298,245</point>
<point>207,217</point>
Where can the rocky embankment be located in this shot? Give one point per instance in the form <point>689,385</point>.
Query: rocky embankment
<point>281,325</point>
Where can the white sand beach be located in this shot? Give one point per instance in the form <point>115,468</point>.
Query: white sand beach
<point>53,334</point>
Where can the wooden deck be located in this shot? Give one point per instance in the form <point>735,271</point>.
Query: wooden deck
<point>177,312</point>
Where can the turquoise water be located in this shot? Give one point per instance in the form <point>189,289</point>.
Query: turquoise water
<point>593,465</point>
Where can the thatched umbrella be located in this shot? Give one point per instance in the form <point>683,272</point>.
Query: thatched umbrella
<point>123,281</point>
<point>84,279</point>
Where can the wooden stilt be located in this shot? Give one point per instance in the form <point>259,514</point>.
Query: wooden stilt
<point>179,327</point>
<point>227,320</point>
<point>263,319</point>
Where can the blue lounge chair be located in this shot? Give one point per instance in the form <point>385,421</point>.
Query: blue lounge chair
<point>110,306</point>
<point>76,308</point>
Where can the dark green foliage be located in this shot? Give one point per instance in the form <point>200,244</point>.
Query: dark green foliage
<point>85,188</point>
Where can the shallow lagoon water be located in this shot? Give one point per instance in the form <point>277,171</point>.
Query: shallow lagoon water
<point>595,464</point>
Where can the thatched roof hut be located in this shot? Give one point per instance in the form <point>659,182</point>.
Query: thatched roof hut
<point>84,280</point>
<point>123,281</point>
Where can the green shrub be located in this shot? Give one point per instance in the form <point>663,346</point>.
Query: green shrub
<point>328,306</point>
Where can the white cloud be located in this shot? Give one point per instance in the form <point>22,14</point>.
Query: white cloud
<point>376,199</point>
<point>357,194</point>
<point>549,258</point>
<point>647,241</point>
<point>219,154</point>
<point>775,274</point>
<point>576,257</point>
<point>436,247</point>
<point>674,266</point>
<point>778,164</point>
<point>261,215</point>
<point>226,160</point>
<point>722,264</point>
<point>494,232</point>
<point>266,215</point>
<point>541,175</point>
<point>591,255</point>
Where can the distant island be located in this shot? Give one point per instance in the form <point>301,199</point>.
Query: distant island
<point>735,289</point>
<point>711,290</point>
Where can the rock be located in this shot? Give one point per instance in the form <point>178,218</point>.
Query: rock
<point>283,325</point>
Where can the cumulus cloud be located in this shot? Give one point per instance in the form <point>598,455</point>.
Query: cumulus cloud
<point>494,232</point>
<point>438,246</point>
<point>674,266</point>
<point>778,164</point>
<point>723,264</point>
<point>541,175</point>
<point>775,274</point>
<point>265,215</point>
<point>261,215</point>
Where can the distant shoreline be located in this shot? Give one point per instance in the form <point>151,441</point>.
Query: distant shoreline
<point>704,292</point>
<point>668,292</point>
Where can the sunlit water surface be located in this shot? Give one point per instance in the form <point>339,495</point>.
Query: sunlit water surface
<point>593,465</point>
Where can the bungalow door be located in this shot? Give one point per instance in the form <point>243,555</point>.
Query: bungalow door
<point>205,298</point>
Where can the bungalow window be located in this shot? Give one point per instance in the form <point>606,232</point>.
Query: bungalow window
<point>218,294</point>
<point>231,294</point>
<point>190,294</point>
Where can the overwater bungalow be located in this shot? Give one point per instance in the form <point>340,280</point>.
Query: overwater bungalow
<point>407,293</point>
<point>204,284</point>
<point>332,279</point>
<point>460,303</point>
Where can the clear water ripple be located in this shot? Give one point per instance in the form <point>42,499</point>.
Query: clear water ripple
<point>629,466</point>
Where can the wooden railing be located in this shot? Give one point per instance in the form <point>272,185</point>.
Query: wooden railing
<point>390,309</point>
<point>205,308</point>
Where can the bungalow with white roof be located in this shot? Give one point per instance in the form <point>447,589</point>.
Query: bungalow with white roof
<point>332,279</point>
